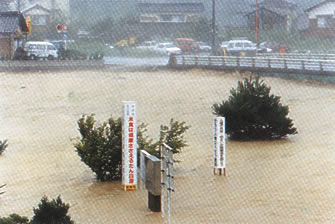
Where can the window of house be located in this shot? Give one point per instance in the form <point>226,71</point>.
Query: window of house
<point>39,20</point>
<point>192,18</point>
<point>172,18</point>
<point>148,18</point>
<point>325,21</point>
<point>166,18</point>
<point>178,18</point>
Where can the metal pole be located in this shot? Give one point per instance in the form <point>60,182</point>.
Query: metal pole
<point>257,22</point>
<point>163,170</point>
<point>18,5</point>
<point>213,27</point>
<point>167,178</point>
<point>170,181</point>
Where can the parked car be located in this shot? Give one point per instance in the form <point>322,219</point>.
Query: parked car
<point>20,54</point>
<point>275,46</point>
<point>167,48</point>
<point>204,46</point>
<point>186,44</point>
<point>66,44</point>
<point>263,48</point>
<point>147,45</point>
<point>40,49</point>
<point>241,48</point>
<point>73,54</point>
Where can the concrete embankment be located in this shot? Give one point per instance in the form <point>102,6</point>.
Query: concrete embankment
<point>50,65</point>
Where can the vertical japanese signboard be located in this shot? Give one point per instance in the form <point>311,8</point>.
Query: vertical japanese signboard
<point>129,146</point>
<point>219,146</point>
<point>28,22</point>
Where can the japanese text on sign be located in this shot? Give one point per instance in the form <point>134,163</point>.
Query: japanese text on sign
<point>219,149</point>
<point>129,145</point>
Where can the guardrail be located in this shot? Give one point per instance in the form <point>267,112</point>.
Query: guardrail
<point>306,55</point>
<point>259,63</point>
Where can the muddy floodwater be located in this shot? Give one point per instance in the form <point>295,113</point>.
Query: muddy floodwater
<point>285,181</point>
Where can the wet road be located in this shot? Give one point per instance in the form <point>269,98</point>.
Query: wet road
<point>126,62</point>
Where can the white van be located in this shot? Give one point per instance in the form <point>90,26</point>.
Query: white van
<point>40,49</point>
<point>239,47</point>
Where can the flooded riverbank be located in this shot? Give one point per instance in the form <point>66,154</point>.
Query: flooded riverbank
<point>286,181</point>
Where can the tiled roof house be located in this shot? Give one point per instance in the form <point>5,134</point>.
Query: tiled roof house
<point>13,32</point>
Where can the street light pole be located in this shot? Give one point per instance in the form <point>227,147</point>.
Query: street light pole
<point>213,27</point>
<point>257,22</point>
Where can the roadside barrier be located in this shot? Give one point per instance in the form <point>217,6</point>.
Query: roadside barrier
<point>260,63</point>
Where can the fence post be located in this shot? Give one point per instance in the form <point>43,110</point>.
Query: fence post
<point>209,61</point>
<point>183,59</point>
<point>223,62</point>
<point>269,62</point>
<point>196,60</point>
<point>303,64</point>
<point>253,62</point>
<point>238,62</point>
<point>321,66</point>
<point>285,64</point>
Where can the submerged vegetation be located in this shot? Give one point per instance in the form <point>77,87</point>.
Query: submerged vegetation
<point>3,146</point>
<point>252,113</point>
<point>100,147</point>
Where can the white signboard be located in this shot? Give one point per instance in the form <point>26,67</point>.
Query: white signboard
<point>219,149</point>
<point>129,146</point>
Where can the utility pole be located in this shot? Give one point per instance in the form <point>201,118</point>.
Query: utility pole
<point>213,28</point>
<point>18,5</point>
<point>52,5</point>
<point>257,22</point>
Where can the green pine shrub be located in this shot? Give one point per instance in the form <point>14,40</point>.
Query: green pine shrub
<point>252,113</point>
<point>3,146</point>
<point>51,212</point>
<point>14,219</point>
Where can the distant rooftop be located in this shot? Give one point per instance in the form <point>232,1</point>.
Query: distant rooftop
<point>9,21</point>
<point>171,7</point>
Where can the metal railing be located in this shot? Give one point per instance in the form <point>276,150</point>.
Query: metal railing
<point>273,63</point>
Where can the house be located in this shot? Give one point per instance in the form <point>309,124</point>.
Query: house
<point>160,20</point>
<point>273,14</point>
<point>322,19</point>
<point>40,17</point>
<point>53,5</point>
<point>13,33</point>
<point>170,12</point>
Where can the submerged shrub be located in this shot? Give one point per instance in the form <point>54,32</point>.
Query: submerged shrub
<point>100,147</point>
<point>252,113</point>
<point>14,219</point>
<point>51,212</point>
<point>3,146</point>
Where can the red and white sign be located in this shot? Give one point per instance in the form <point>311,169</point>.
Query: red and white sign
<point>65,28</point>
<point>129,146</point>
<point>219,149</point>
<point>62,28</point>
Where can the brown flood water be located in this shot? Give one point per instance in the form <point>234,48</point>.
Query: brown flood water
<point>286,181</point>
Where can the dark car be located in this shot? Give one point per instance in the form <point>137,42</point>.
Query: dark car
<point>20,54</point>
